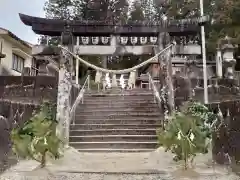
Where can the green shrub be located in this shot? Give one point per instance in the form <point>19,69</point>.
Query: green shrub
<point>37,139</point>
<point>187,132</point>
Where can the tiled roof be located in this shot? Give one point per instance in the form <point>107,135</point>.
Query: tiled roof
<point>16,38</point>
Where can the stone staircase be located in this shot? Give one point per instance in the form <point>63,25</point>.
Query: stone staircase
<point>116,121</point>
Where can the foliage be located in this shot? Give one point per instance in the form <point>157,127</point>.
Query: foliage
<point>223,17</point>
<point>206,118</point>
<point>136,12</point>
<point>101,10</point>
<point>37,137</point>
<point>223,14</point>
<point>187,132</point>
<point>59,9</point>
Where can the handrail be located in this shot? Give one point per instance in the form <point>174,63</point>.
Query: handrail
<point>156,96</point>
<point>155,91</point>
<point>79,97</point>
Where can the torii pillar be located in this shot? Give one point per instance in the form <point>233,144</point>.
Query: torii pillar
<point>64,89</point>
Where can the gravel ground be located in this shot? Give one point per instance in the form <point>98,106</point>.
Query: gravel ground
<point>118,166</point>
<point>106,176</point>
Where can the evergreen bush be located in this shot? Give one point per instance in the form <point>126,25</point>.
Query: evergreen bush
<point>188,132</point>
<point>37,139</point>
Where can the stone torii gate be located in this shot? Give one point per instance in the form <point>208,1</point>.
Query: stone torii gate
<point>104,39</point>
<point>101,38</point>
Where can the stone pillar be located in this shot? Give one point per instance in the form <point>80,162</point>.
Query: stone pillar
<point>52,69</point>
<point>64,90</point>
<point>192,71</point>
<point>228,60</point>
<point>219,65</point>
<point>104,61</point>
<point>170,80</point>
<point>188,80</point>
<point>77,71</point>
<point>63,102</point>
<point>42,67</point>
<point>166,68</point>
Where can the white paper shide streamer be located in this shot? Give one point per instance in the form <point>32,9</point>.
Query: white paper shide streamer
<point>98,77</point>
<point>108,81</point>
<point>122,83</point>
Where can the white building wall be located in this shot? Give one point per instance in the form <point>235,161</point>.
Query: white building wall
<point>9,47</point>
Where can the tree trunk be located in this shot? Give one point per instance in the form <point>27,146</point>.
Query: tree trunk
<point>43,160</point>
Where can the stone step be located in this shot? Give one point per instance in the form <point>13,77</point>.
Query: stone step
<point>151,131</point>
<point>116,115</point>
<point>112,126</point>
<point>116,121</point>
<point>119,95</point>
<point>117,105</point>
<point>122,110</point>
<point>115,145</point>
<point>120,98</point>
<point>98,150</point>
<point>117,91</point>
<point>116,102</point>
<point>109,138</point>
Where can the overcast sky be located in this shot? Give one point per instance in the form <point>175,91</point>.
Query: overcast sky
<point>9,18</point>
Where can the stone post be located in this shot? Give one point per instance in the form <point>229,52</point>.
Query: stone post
<point>64,90</point>
<point>77,72</point>
<point>42,68</point>
<point>63,102</point>
<point>170,80</point>
<point>219,63</point>
<point>188,76</point>
<point>228,60</point>
<point>104,61</point>
<point>166,65</point>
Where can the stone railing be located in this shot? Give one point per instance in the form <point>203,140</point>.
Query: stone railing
<point>219,90</point>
